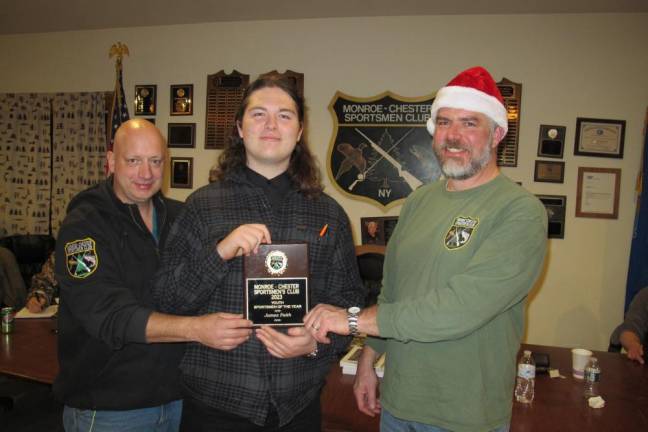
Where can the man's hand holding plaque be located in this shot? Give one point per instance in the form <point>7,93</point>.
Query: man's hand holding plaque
<point>276,284</point>
<point>244,240</point>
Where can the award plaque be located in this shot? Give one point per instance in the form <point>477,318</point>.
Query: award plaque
<point>276,284</point>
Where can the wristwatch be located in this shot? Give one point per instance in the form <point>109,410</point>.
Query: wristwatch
<point>352,316</point>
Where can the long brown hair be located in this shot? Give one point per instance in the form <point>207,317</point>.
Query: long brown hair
<point>302,168</point>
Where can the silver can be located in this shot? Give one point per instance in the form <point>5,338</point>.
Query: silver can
<point>7,314</point>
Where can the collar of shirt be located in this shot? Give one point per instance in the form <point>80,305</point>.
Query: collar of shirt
<point>276,189</point>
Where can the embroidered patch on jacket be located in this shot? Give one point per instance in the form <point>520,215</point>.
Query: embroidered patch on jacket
<point>81,258</point>
<point>461,232</point>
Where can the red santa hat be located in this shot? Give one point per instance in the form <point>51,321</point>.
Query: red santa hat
<point>474,90</point>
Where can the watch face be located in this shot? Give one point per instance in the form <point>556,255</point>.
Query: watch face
<point>354,310</point>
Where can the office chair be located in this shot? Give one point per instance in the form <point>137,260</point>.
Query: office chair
<point>370,264</point>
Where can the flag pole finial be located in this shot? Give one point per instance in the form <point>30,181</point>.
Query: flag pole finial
<point>118,50</point>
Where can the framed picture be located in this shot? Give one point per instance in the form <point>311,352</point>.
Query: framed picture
<point>377,230</point>
<point>181,99</point>
<point>182,172</point>
<point>181,135</point>
<point>549,171</point>
<point>600,138</point>
<point>597,195</point>
<point>145,100</point>
<point>551,141</point>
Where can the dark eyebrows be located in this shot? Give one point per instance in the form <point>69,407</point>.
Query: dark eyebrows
<point>281,110</point>
<point>461,119</point>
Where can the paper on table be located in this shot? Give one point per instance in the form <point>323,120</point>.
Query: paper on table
<point>48,312</point>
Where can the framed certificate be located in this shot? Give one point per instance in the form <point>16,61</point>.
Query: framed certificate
<point>599,138</point>
<point>598,192</point>
<point>549,171</point>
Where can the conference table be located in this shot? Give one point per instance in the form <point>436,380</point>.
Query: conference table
<point>30,352</point>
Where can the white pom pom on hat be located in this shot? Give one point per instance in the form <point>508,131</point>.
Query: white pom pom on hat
<point>474,90</point>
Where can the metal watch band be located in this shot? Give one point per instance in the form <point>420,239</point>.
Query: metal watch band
<point>352,317</point>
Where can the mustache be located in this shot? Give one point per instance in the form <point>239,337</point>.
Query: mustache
<point>452,144</point>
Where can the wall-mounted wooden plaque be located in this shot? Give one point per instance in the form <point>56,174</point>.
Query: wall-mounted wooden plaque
<point>507,151</point>
<point>224,96</point>
<point>296,78</point>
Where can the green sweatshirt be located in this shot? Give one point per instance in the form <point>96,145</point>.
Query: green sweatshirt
<point>458,269</point>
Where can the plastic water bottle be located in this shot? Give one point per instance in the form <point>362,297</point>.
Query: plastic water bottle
<point>525,385</point>
<point>592,378</point>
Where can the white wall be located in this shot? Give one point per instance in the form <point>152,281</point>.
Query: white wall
<point>569,65</point>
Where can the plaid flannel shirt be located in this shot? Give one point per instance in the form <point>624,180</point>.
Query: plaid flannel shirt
<point>194,280</point>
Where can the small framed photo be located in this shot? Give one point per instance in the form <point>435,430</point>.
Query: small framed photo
<point>599,137</point>
<point>181,99</point>
<point>182,172</point>
<point>145,100</point>
<point>549,171</point>
<point>597,195</point>
<point>377,230</point>
<point>181,135</point>
<point>551,141</point>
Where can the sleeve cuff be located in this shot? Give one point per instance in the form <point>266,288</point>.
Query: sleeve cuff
<point>136,331</point>
<point>385,321</point>
<point>377,344</point>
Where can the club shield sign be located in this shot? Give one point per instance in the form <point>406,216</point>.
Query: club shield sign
<point>380,150</point>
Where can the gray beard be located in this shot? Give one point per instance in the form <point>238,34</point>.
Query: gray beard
<point>456,171</point>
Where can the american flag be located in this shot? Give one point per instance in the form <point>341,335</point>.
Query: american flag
<point>118,110</point>
<point>638,271</point>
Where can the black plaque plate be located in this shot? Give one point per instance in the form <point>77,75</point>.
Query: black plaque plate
<point>276,284</point>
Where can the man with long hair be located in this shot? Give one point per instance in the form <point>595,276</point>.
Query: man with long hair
<point>266,189</point>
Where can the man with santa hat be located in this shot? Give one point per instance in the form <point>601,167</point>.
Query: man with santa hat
<point>458,268</point>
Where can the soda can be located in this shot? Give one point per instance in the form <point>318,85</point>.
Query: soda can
<point>7,315</point>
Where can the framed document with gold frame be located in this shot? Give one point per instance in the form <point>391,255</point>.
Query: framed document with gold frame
<point>599,137</point>
<point>275,282</point>
<point>181,100</point>
<point>549,171</point>
<point>597,195</point>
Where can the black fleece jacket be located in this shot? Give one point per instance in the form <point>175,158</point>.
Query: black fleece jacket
<point>105,261</point>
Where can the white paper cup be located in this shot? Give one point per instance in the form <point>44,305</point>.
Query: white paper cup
<point>580,357</point>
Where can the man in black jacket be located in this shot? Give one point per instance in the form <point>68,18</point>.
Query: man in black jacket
<point>111,376</point>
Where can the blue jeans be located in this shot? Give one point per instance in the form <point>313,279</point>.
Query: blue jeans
<point>389,423</point>
<point>163,418</point>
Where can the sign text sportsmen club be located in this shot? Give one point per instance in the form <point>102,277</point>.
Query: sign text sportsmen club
<point>381,150</point>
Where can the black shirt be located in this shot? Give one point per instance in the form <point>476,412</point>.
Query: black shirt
<point>276,189</point>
